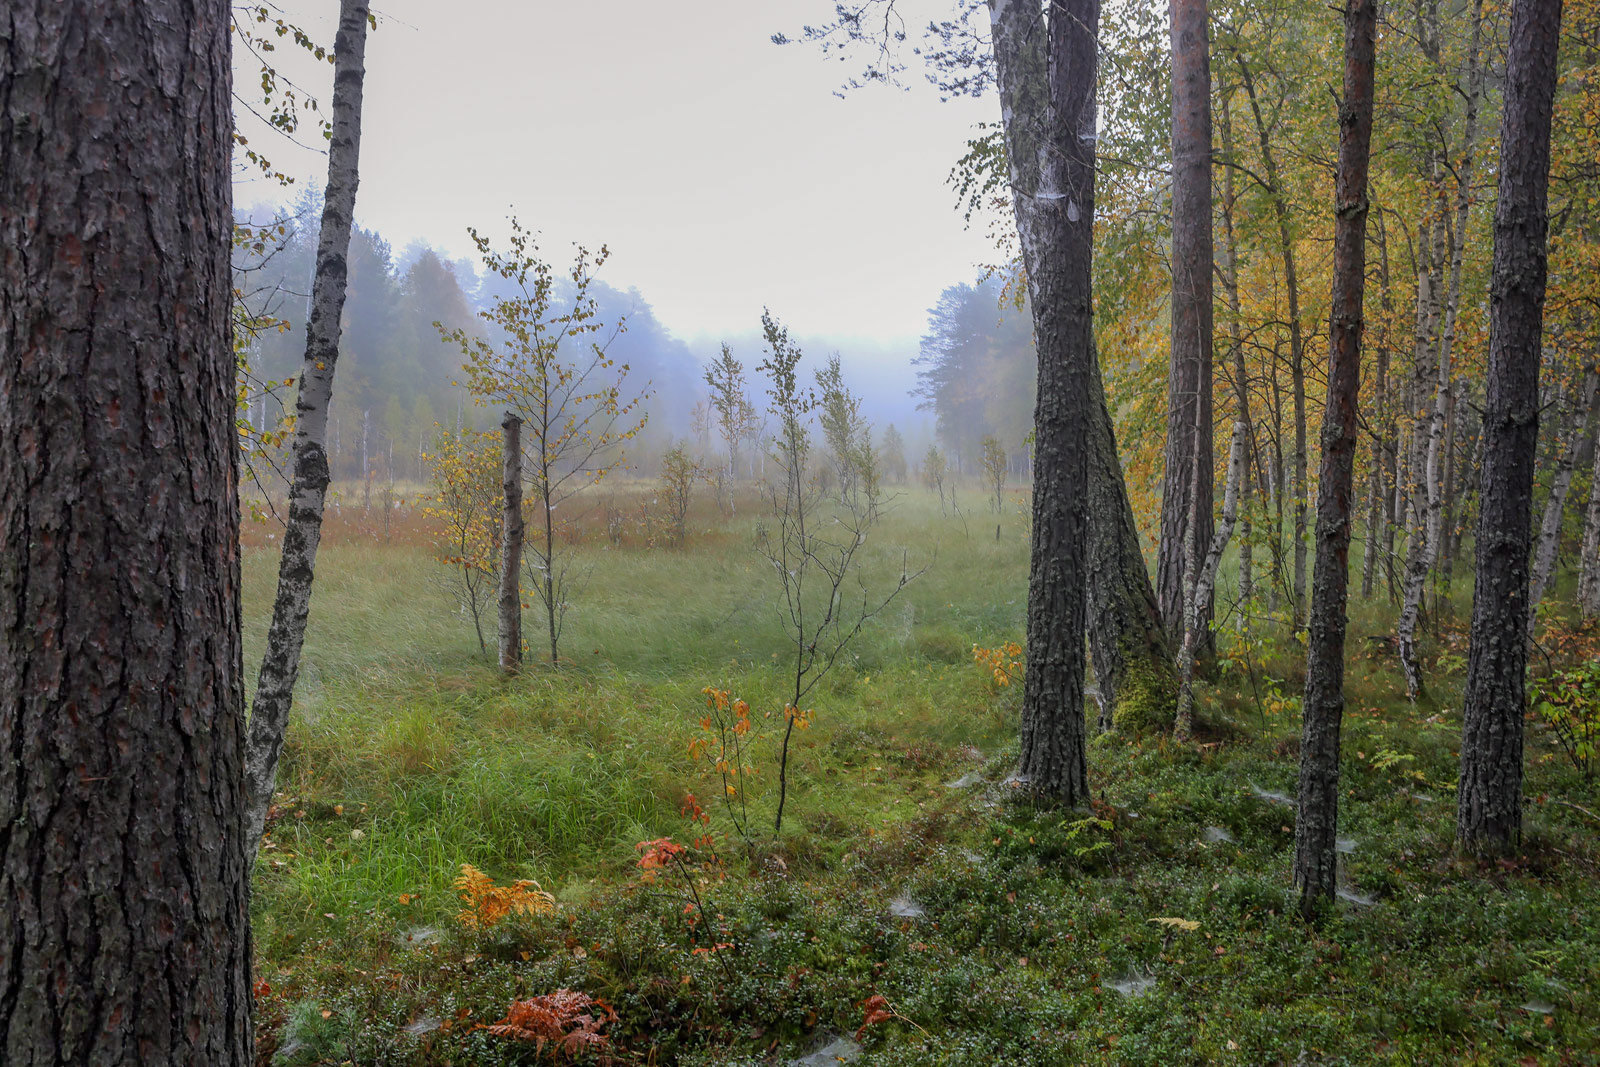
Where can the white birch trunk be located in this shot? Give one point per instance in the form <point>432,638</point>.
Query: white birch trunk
<point>1197,594</point>
<point>280,666</point>
<point>1544,557</point>
<point>1589,555</point>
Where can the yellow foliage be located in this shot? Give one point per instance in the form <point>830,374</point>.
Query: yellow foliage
<point>488,903</point>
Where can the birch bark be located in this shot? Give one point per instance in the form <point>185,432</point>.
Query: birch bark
<point>280,666</point>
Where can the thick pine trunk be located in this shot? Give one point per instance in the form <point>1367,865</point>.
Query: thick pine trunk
<point>1046,73</point>
<point>124,877</point>
<point>511,525</point>
<point>280,665</point>
<point>1489,797</point>
<point>1189,417</point>
<point>1317,819</point>
<point>1132,657</point>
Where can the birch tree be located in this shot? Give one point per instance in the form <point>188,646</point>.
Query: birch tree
<point>1577,416</point>
<point>280,665</point>
<point>124,875</point>
<point>1489,796</point>
<point>543,364</point>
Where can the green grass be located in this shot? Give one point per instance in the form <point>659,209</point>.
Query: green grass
<point>409,756</point>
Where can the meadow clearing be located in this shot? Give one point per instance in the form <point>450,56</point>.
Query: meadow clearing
<point>907,890</point>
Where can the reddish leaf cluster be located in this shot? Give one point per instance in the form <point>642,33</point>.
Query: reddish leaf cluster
<point>658,853</point>
<point>877,1011</point>
<point>567,1021</point>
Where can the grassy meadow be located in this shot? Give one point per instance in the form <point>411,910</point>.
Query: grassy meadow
<point>1151,929</point>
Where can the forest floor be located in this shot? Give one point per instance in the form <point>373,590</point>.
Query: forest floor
<point>909,883</point>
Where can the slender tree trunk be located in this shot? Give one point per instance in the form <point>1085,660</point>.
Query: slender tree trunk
<point>1297,344</point>
<point>1589,555</point>
<point>1465,167</point>
<point>280,666</point>
<point>124,878</point>
<point>1205,580</point>
<point>1317,819</point>
<point>1544,559</point>
<point>1489,797</point>
<point>1189,428</point>
<point>1241,379</point>
<point>1424,489</point>
<point>510,629</point>
<point>1046,72</point>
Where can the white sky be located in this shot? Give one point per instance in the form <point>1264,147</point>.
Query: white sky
<point>720,169</point>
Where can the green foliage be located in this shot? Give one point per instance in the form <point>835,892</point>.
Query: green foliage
<point>1568,702</point>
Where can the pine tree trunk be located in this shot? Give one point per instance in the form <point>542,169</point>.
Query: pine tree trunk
<point>1046,73</point>
<point>1189,418</point>
<point>124,878</point>
<point>1317,819</point>
<point>510,628</point>
<point>1132,658</point>
<point>1489,797</point>
<point>1544,557</point>
<point>280,666</point>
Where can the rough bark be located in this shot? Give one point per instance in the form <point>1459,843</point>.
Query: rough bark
<point>1046,72</point>
<point>1189,430</point>
<point>1544,557</point>
<point>124,879</point>
<point>1317,818</point>
<point>1132,657</point>
<point>1489,797</point>
<point>510,628</point>
<point>280,665</point>
<point>1197,597</point>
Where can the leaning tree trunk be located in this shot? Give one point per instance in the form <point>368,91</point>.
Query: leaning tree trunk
<point>1544,557</point>
<point>1197,597</point>
<point>1489,797</point>
<point>1132,657</point>
<point>124,879</point>
<point>511,525</point>
<point>1046,72</point>
<point>1189,431</point>
<point>1317,819</point>
<point>280,666</point>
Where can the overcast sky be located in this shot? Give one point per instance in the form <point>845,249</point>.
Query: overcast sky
<point>720,169</point>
